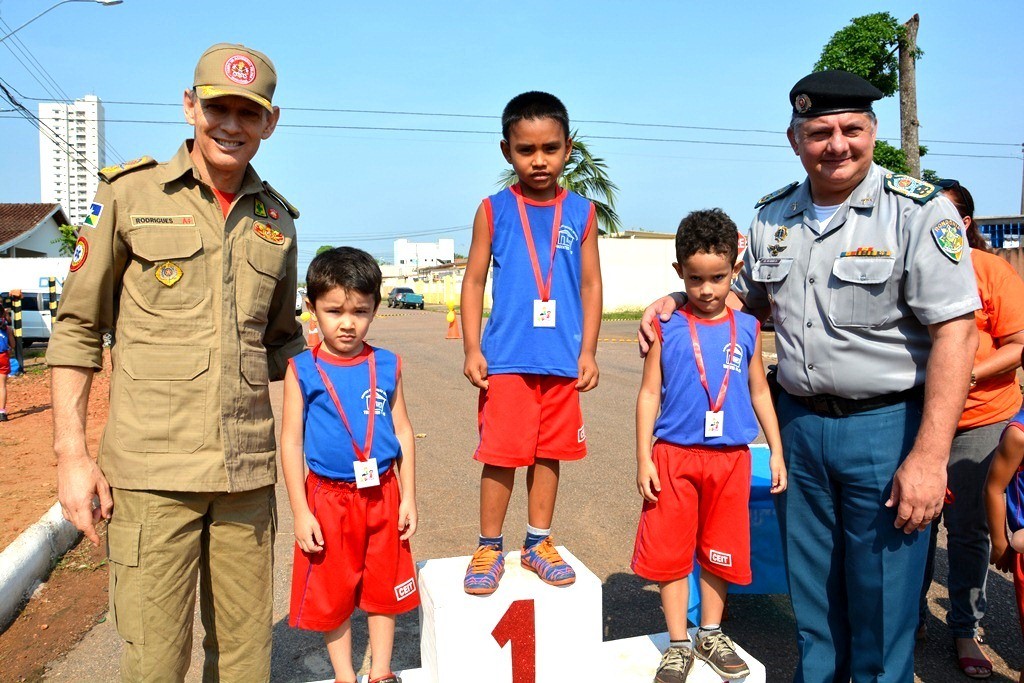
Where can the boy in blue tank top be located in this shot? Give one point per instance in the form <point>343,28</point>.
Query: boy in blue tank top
<point>537,352</point>
<point>345,419</point>
<point>1004,502</point>
<point>702,396</point>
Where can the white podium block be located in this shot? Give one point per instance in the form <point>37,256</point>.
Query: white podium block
<point>635,660</point>
<point>553,631</point>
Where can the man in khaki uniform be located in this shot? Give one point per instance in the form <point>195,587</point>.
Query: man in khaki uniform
<point>192,265</point>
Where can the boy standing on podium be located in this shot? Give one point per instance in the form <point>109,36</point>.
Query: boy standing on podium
<point>538,351</point>
<point>702,396</point>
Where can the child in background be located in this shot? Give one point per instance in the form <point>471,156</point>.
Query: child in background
<point>1004,502</point>
<point>535,357</point>
<point>345,418</point>
<point>702,396</point>
<point>5,363</point>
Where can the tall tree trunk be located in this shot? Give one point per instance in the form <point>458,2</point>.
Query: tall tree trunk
<point>908,97</point>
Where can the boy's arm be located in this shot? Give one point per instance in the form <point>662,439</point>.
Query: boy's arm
<point>1007,459</point>
<point>761,400</point>
<point>293,465</point>
<point>1004,359</point>
<point>648,402</point>
<point>472,304</point>
<point>591,296</point>
<point>407,517</point>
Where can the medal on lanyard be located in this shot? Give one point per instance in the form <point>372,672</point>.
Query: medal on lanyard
<point>365,467</point>
<point>714,418</point>
<point>544,307</point>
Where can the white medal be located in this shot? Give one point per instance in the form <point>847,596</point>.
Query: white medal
<point>714,423</point>
<point>366,473</point>
<point>543,313</point>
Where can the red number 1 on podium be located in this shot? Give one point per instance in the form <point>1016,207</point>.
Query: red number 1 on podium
<point>518,627</point>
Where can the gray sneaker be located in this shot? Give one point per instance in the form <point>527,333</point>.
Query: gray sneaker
<point>675,664</point>
<point>718,650</point>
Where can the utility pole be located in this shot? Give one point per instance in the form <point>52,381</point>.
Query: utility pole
<point>908,96</point>
<point>1022,181</point>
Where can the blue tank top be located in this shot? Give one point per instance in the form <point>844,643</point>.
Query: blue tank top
<point>510,343</point>
<point>684,401</point>
<point>325,441</point>
<point>1015,491</point>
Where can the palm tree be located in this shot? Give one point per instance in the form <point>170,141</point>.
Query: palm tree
<point>585,175</point>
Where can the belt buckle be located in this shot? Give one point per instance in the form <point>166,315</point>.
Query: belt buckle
<point>835,406</point>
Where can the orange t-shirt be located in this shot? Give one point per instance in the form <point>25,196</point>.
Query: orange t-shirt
<point>1001,314</point>
<point>225,199</point>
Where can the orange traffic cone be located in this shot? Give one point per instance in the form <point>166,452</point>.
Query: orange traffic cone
<point>313,336</point>
<point>453,327</point>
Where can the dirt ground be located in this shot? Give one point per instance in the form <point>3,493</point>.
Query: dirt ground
<point>74,597</point>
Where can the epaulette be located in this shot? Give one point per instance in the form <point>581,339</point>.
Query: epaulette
<point>111,172</point>
<point>284,202</point>
<point>772,196</point>
<point>918,190</point>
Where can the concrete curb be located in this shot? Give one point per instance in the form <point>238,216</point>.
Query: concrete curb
<point>30,557</point>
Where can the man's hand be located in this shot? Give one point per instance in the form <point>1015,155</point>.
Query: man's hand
<point>918,491</point>
<point>407,518</point>
<point>663,308</point>
<point>588,372</point>
<point>79,484</point>
<point>475,369</point>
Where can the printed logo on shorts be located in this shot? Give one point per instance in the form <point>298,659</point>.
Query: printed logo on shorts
<point>405,589</point>
<point>735,360</point>
<point>581,435</point>
<point>720,558</point>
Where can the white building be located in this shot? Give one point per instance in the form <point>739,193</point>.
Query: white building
<point>71,155</point>
<point>409,256</point>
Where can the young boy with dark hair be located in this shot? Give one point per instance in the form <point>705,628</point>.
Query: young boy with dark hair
<point>345,419</point>
<point>702,396</point>
<point>5,362</point>
<point>538,351</point>
<point>1004,501</point>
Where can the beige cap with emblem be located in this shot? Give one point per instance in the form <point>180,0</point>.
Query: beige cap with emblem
<point>228,69</point>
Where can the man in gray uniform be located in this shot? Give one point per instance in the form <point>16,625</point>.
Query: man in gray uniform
<point>868,278</point>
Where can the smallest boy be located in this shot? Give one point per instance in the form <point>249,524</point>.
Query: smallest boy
<point>5,362</point>
<point>704,374</point>
<point>345,418</point>
<point>1006,518</point>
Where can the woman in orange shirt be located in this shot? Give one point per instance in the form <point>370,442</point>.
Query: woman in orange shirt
<point>994,397</point>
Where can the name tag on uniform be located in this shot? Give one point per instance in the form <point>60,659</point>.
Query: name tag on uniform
<point>714,423</point>
<point>543,313</point>
<point>366,473</point>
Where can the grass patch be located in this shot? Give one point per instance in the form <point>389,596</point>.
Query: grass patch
<point>624,314</point>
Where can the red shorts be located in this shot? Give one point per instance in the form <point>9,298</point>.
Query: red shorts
<point>526,417</point>
<point>702,506</point>
<point>5,363</point>
<point>1018,585</point>
<point>363,563</point>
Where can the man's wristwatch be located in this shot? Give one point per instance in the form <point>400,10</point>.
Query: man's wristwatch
<point>974,381</point>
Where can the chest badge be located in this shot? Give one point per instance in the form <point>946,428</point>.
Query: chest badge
<point>949,239</point>
<point>168,273</point>
<point>781,233</point>
<point>273,213</point>
<point>260,210</point>
<point>267,232</point>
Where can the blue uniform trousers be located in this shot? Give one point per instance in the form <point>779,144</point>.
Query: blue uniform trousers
<point>854,578</point>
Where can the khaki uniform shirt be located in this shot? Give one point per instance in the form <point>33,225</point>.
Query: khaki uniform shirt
<point>203,314</point>
<point>852,301</point>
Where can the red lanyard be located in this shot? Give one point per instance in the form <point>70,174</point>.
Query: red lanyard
<point>543,288</point>
<point>699,357</point>
<point>364,452</point>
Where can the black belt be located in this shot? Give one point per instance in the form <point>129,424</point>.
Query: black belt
<point>837,406</point>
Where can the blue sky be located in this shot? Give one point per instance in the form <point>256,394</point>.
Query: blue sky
<point>717,65</point>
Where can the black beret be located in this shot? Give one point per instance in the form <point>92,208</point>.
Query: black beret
<point>832,92</point>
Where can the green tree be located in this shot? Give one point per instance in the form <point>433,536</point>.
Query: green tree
<point>67,240</point>
<point>586,175</point>
<point>322,249</point>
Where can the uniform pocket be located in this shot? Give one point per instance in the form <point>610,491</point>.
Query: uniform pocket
<point>773,273</point>
<point>256,434</point>
<point>258,277</point>
<point>162,402</point>
<point>123,542</point>
<point>172,273</point>
<point>860,295</point>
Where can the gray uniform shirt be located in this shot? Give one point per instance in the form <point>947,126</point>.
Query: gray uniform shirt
<point>852,301</point>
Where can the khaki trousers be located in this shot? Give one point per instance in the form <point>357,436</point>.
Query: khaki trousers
<point>158,543</point>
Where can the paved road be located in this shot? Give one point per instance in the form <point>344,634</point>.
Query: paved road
<point>596,518</point>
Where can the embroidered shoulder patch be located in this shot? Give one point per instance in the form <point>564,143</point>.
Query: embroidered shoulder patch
<point>949,238</point>
<point>772,196</point>
<point>268,232</point>
<point>80,254</point>
<point>111,172</point>
<point>918,190</point>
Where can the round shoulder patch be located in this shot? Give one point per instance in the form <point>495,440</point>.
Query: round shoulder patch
<point>80,254</point>
<point>240,69</point>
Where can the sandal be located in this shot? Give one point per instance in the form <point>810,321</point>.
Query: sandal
<point>982,667</point>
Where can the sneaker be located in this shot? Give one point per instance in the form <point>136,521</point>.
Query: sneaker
<point>484,571</point>
<point>390,678</point>
<point>675,665</point>
<point>544,559</point>
<point>718,650</point>
<point>3,417</point>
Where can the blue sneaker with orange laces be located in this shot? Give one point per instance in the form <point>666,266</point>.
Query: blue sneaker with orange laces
<point>484,571</point>
<point>544,560</point>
